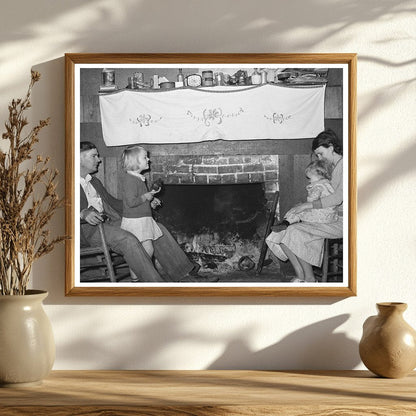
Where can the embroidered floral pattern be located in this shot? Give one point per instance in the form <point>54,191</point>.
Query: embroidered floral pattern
<point>277,118</point>
<point>144,120</point>
<point>213,115</point>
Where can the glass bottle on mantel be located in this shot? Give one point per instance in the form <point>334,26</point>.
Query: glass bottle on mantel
<point>179,79</point>
<point>263,76</point>
<point>256,77</point>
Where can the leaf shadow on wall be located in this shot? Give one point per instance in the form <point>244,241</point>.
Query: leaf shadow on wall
<point>28,33</point>
<point>394,167</point>
<point>146,344</point>
<point>391,170</point>
<point>152,345</point>
<point>316,346</point>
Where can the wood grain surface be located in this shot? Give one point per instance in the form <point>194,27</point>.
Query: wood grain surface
<point>203,393</point>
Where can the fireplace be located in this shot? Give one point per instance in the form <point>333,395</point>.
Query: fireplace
<point>216,206</point>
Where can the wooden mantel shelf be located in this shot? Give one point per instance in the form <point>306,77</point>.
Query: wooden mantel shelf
<point>210,393</point>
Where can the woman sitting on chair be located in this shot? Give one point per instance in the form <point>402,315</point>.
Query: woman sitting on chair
<point>303,243</point>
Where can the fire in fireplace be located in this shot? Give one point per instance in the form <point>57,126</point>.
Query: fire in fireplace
<point>219,226</point>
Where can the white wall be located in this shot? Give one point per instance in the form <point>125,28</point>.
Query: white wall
<point>200,333</point>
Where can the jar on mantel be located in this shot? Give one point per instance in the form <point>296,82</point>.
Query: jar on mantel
<point>256,77</point>
<point>388,345</point>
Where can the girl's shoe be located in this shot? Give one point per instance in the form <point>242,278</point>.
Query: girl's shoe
<point>297,280</point>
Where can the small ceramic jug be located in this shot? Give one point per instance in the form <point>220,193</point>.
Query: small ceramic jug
<point>388,345</point>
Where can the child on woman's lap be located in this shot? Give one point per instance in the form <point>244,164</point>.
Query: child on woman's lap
<point>319,186</point>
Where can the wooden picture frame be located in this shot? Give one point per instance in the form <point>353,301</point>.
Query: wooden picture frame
<point>91,89</point>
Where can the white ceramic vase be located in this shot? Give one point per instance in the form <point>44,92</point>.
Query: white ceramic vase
<point>27,346</point>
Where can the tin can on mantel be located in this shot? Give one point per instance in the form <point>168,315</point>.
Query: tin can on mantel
<point>154,82</point>
<point>219,78</point>
<point>207,78</point>
<point>108,77</point>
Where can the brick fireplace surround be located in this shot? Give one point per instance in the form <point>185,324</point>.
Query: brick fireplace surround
<point>216,170</point>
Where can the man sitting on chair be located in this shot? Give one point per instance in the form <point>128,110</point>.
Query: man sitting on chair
<point>97,205</point>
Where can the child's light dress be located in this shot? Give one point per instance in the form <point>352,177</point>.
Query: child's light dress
<point>317,190</point>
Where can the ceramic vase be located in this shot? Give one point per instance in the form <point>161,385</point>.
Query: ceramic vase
<point>388,345</point>
<point>27,347</point>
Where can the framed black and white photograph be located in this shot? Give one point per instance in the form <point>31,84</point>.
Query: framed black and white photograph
<point>211,174</point>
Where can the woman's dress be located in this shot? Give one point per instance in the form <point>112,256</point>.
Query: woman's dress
<point>306,240</point>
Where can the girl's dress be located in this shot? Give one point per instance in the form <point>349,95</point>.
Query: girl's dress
<point>137,213</point>
<point>306,240</point>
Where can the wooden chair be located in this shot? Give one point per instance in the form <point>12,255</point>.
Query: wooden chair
<point>332,262</point>
<point>269,225</point>
<point>99,263</point>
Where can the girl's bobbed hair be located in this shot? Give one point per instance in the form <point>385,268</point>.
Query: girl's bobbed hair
<point>325,139</point>
<point>130,157</point>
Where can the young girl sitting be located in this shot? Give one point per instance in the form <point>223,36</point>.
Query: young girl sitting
<point>319,186</point>
<point>137,200</point>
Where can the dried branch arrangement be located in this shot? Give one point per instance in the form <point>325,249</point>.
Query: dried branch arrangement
<point>28,199</point>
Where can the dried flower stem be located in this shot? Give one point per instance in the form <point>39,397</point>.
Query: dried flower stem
<point>23,217</point>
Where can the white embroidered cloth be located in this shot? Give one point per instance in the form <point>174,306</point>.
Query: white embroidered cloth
<point>228,113</point>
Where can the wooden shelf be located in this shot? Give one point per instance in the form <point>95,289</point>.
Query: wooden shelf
<point>208,393</point>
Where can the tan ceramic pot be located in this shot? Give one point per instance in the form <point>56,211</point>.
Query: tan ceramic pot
<point>27,347</point>
<point>388,345</point>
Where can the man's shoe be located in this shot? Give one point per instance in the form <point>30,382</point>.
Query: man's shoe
<point>195,269</point>
<point>280,226</point>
